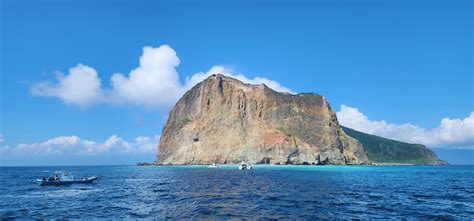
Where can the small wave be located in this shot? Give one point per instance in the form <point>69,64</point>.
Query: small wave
<point>41,193</point>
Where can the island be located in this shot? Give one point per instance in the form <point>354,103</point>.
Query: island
<point>223,120</point>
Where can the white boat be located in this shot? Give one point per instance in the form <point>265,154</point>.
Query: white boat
<point>63,178</point>
<point>213,166</point>
<point>245,166</point>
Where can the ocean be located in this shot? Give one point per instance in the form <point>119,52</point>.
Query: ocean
<point>266,192</point>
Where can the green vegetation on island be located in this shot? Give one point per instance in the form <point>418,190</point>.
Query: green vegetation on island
<point>382,150</point>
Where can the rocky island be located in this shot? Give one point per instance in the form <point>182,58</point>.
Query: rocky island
<point>223,120</point>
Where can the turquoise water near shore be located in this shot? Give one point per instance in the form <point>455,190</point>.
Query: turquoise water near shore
<point>267,192</point>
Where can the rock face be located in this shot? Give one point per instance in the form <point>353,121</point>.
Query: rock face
<point>222,120</point>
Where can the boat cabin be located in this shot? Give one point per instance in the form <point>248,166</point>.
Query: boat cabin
<point>63,176</point>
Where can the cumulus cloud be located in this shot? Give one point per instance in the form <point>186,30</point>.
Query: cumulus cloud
<point>81,87</point>
<point>449,133</point>
<point>154,84</point>
<point>74,145</point>
<point>198,77</point>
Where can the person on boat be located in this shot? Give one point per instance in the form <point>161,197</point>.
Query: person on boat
<point>44,179</point>
<point>51,179</point>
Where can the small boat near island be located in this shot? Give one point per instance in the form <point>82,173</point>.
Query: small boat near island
<point>213,165</point>
<point>64,178</point>
<point>245,166</point>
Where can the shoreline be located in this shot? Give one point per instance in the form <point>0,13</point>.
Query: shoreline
<point>316,165</point>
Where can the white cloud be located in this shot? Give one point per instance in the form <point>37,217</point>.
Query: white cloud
<point>198,77</point>
<point>154,84</point>
<point>3,146</point>
<point>450,132</point>
<point>74,145</point>
<point>81,87</point>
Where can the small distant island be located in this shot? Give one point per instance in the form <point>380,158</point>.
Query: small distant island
<point>223,120</point>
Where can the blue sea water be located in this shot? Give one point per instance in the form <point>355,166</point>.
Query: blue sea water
<point>267,192</point>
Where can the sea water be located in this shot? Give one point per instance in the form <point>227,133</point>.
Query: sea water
<point>266,192</point>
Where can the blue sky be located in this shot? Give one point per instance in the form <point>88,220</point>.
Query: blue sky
<point>403,63</point>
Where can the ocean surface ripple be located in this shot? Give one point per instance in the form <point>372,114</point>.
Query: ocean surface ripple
<point>267,192</point>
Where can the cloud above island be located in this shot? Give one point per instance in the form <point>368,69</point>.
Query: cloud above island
<point>155,84</point>
<point>198,77</point>
<point>455,133</point>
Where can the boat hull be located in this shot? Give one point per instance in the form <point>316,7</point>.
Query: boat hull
<point>57,183</point>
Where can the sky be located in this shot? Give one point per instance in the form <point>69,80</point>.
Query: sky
<point>91,82</point>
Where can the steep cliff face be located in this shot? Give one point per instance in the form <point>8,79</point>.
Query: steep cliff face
<point>222,120</point>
